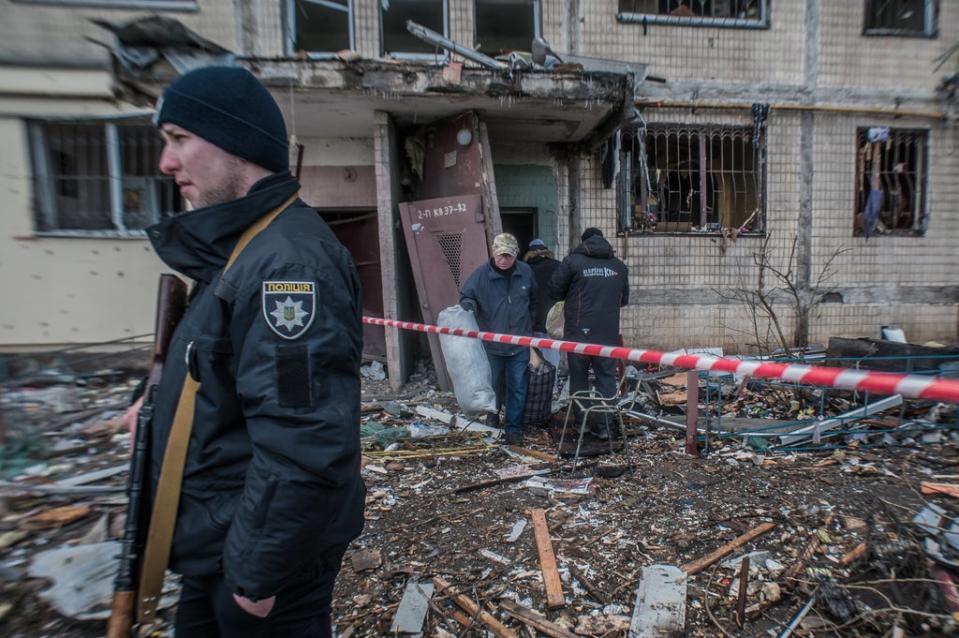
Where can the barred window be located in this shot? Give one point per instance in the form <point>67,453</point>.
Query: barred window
<point>915,18</point>
<point>695,179</point>
<point>95,177</point>
<point>721,13</point>
<point>891,169</point>
<point>320,28</point>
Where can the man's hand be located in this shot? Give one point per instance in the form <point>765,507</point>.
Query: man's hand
<point>129,418</point>
<point>260,608</point>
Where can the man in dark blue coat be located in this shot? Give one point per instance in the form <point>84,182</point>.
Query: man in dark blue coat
<point>540,259</point>
<point>271,490</point>
<point>595,285</point>
<point>502,294</point>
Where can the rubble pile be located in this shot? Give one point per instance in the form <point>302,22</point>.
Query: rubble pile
<point>466,536</point>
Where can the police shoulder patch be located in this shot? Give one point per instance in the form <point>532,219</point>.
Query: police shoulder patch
<point>289,306</point>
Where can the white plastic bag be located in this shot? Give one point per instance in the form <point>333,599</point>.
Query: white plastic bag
<point>467,363</point>
<point>555,320</point>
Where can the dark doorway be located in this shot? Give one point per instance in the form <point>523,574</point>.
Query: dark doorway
<point>358,231</point>
<point>521,224</point>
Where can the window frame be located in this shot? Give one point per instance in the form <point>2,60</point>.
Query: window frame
<point>537,21</point>
<point>920,224</point>
<point>189,6</point>
<point>291,49</point>
<point>43,182</point>
<point>412,56</point>
<point>931,31</point>
<point>764,21</point>
<point>625,198</point>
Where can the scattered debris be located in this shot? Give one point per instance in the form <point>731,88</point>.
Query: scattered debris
<point>366,560</point>
<point>698,565</point>
<point>535,620</point>
<point>412,610</point>
<point>57,517</point>
<point>660,608</point>
<point>470,606</point>
<point>451,504</point>
<point>82,579</point>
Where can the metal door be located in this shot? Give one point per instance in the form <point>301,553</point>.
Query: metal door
<point>446,238</point>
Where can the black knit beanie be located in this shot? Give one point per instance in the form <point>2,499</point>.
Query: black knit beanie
<point>591,232</point>
<point>229,108</point>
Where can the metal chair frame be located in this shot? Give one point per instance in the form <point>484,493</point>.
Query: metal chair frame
<point>598,404</point>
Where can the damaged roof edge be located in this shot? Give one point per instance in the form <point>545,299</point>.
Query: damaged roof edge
<point>403,79</point>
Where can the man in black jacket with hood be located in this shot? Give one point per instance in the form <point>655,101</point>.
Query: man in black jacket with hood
<point>271,345</point>
<point>595,285</point>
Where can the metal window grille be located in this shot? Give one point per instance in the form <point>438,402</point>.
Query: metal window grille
<point>506,25</point>
<point>893,162</point>
<point>452,246</point>
<point>901,17</point>
<point>99,176</point>
<point>697,179</point>
<point>722,13</point>
<point>320,27</point>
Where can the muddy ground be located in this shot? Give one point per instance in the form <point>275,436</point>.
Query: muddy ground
<point>664,508</point>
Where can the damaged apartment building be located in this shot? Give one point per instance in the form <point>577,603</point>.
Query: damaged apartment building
<point>773,172</point>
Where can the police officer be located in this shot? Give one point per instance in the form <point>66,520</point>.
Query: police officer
<point>271,491</point>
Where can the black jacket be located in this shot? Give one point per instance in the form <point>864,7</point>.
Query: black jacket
<point>501,304</point>
<point>543,268</point>
<point>595,284</point>
<point>272,477</point>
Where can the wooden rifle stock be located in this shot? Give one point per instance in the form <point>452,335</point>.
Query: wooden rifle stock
<point>171,304</point>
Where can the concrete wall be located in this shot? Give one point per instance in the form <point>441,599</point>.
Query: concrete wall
<point>57,34</point>
<point>681,285</point>
<point>849,60</point>
<point>60,290</point>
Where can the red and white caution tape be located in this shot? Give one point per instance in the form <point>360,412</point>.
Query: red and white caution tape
<point>884,383</point>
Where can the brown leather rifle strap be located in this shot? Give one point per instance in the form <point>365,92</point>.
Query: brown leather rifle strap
<point>159,539</point>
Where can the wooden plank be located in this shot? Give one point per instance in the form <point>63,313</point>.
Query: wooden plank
<point>470,606</point>
<point>743,585</point>
<point>93,477</point>
<point>547,560</point>
<point>537,621</point>
<point>853,555</point>
<point>699,565</point>
<point>535,454</point>
<point>796,568</point>
<point>472,487</point>
<point>949,489</point>
<point>593,591</point>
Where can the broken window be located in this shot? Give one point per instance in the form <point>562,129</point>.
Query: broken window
<point>725,13</point>
<point>506,25</point>
<point>695,179</point>
<point>393,16</point>
<point>901,17</point>
<point>891,168</point>
<point>321,26</point>
<point>99,176</point>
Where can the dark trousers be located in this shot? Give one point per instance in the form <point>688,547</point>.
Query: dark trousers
<point>303,609</point>
<point>511,372</point>
<point>604,369</point>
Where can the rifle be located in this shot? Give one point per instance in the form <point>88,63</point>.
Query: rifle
<point>171,304</point>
